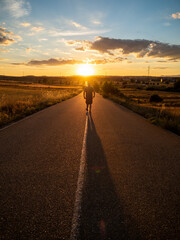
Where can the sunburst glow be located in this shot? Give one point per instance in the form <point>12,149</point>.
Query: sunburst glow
<point>85,70</point>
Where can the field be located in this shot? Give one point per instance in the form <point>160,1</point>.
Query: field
<point>165,112</point>
<point>18,100</point>
<point>22,96</point>
<point>170,103</point>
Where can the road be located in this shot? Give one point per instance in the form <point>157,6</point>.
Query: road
<point>131,178</point>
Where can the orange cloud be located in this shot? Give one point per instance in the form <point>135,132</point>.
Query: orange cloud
<point>4,37</point>
<point>37,29</point>
<point>81,49</point>
<point>57,62</point>
<point>176,15</point>
<point>25,24</point>
<point>30,50</point>
<point>77,25</point>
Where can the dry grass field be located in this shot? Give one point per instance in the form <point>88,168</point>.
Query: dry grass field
<point>19,84</point>
<point>170,103</point>
<point>165,112</point>
<point>19,100</point>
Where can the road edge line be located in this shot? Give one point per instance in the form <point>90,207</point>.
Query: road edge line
<point>79,191</point>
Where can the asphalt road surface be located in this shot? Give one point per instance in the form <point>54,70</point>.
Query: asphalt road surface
<point>131,182</point>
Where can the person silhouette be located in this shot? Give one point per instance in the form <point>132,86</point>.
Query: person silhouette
<point>88,94</point>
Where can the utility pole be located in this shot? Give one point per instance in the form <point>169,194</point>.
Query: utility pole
<point>148,71</point>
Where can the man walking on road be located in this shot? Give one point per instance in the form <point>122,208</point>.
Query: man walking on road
<point>88,94</point>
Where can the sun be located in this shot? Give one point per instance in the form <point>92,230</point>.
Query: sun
<point>85,70</point>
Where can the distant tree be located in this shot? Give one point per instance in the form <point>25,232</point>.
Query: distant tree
<point>109,88</point>
<point>177,85</point>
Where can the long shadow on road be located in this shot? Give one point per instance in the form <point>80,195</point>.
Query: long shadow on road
<point>102,215</point>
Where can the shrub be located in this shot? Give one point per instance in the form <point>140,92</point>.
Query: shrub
<point>155,98</point>
<point>96,86</point>
<point>109,88</point>
<point>150,89</point>
<point>177,85</point>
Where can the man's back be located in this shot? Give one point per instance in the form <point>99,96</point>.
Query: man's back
<point>89,94</point>
<point>88,90</point>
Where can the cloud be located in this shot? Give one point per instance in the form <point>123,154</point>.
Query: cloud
<point>74,42</point>
<point>28,50</point>
<point>164,50</point>
<point>37,29</point>
<point>6,41</point>
<point>105,45</point>
<point>5,38</point>
<point>58,61</point>
<point>4,32</point>
<point>25,24</point>
<point>160,67</point>
<point>54,62</point>
<point>81,45</point>
<point>96,18</point>
<point>77,25</point>
<point>167,24</point>
<point>140,47</point>
<point>4,50</point>
<point>51,62</point>
<point>43,39</point>
<point>73,23</point>
<point>96,22</point>
<point>19,38</point>
<point>17,8</point>
<point>81,49</point>
<point>107,60</point>
<point>76,33</point>
<point>176,15</point>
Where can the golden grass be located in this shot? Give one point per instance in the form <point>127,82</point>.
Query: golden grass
<point>165,114</point>
<point>19,101</point>
<point>171,100</point>
<point>161,117</point>
<point>33,85</point>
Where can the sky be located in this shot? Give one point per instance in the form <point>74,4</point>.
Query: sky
<point>117,37</point>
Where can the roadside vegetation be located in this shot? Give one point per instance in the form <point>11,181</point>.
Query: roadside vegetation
<point>161,106</point>
<point>154,98</point>
<point>18,100</point>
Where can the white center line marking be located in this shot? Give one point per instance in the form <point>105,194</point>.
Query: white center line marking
<point>79,190</point>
